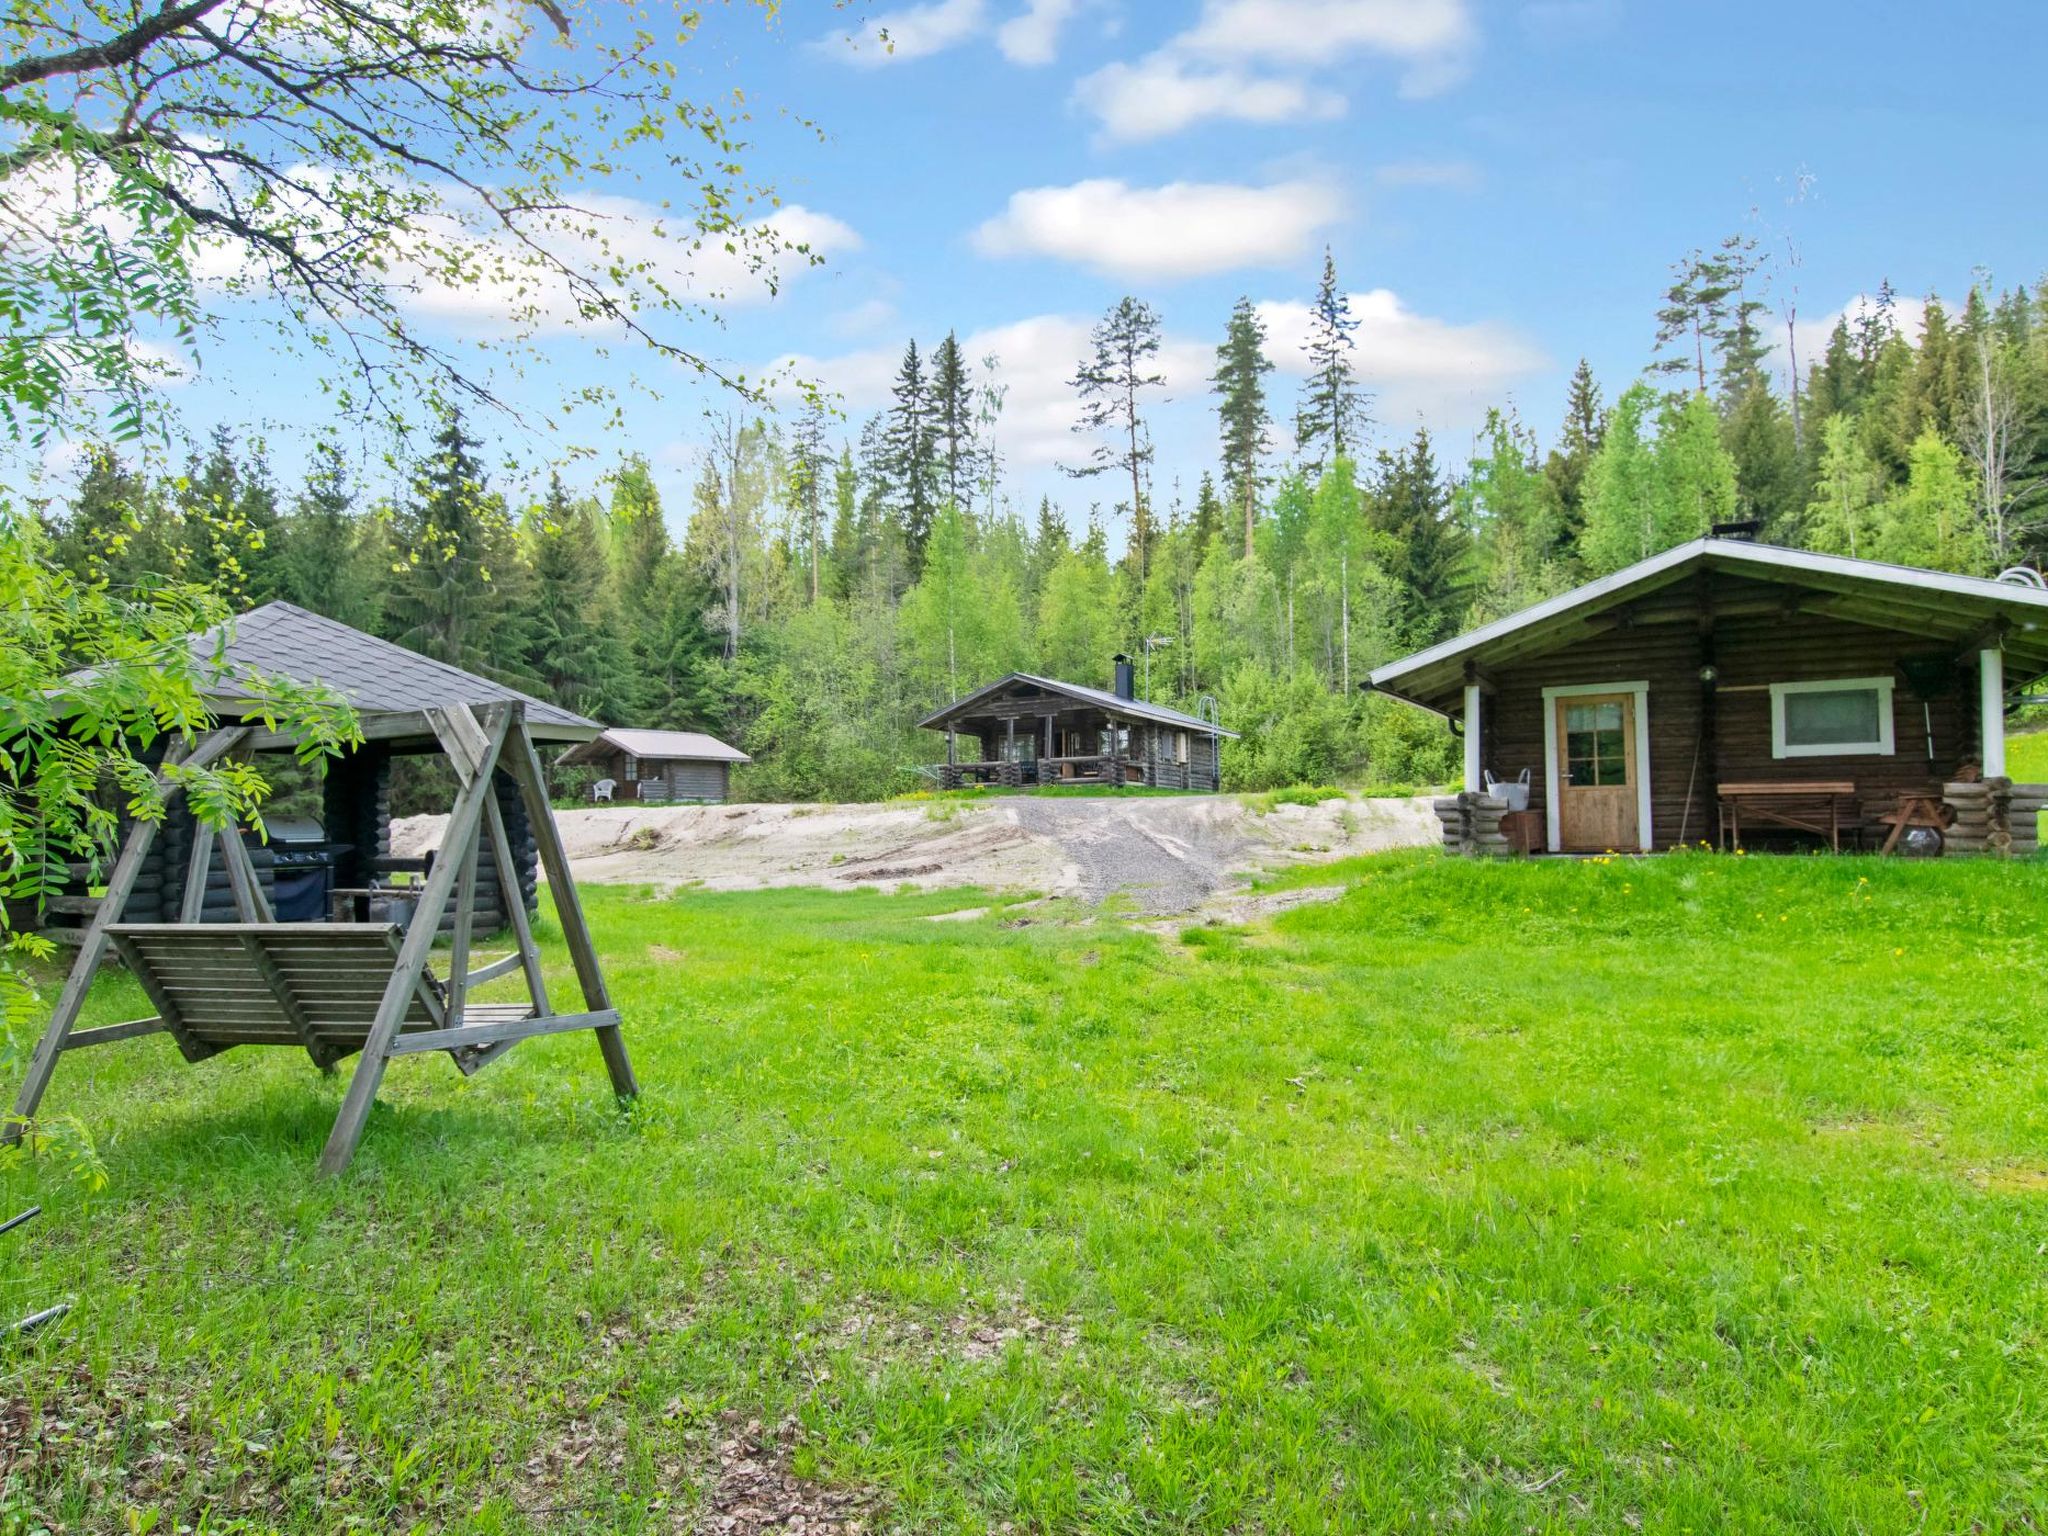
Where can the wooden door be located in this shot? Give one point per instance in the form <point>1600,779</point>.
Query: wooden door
<point>1596,773</point>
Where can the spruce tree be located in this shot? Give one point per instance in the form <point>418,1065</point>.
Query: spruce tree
<point>1241,412</point>
<point>1110,381</point>
<point>1578,441</point>
<point>908,463</point>
<point>1209,515</point>
<point>1332,420</point>
<point>1430,550</point>
<point>954,411</point>
<point>574,650</point>
<point>808,466</point>
<point>451,551</point>
<point>329,557</point>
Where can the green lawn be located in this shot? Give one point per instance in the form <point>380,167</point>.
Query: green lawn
<point>1695,1194</point>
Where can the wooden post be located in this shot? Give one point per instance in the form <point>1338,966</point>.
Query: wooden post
<point>1991,679</point>
<point>465,918</point>
<point>192,908</point>
<point>952,747</point>
<point>1475,772</point>
<point>42,1065</point>
<point>412,955</point>
<point>524,764</point>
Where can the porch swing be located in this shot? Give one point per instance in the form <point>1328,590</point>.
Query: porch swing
<point>341,989</point>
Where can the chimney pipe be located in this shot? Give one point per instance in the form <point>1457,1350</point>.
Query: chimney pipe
<point>1126,677</point>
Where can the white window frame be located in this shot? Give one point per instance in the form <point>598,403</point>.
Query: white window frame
<point>1882,747</point>
<point>1553,815</point>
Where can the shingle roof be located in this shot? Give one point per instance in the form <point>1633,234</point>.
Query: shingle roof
<point>1102,698</point>
<point>661,746</point>
<point>376,676</point>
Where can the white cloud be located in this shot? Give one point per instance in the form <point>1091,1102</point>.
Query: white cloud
<point>863,319</point>
<point>1032,36</point>
<point>1256,61</point>
<point>914,32</point>
<point>1183,229</point>
<point>1161,95</point>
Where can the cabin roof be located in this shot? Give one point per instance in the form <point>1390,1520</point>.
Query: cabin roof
<point>1099,698</point>
<point>1934,605</point>
<point>657,746</point>
<point>378,678</point>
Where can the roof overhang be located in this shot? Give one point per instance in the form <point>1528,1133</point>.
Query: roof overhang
<point>1942,608</point>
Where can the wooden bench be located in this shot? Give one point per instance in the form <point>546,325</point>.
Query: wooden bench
<point>1810,805</point>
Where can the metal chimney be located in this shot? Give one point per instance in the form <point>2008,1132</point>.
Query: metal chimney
<point>1126,677</point>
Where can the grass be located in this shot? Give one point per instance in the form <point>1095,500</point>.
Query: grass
<point>1693,1194</point>
<point>2026,757</point>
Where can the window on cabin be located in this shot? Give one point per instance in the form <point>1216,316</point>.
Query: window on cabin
<point>1595,743</point>
<point>1842,717</point>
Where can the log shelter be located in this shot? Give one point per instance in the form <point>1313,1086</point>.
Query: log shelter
<point>339,988</point>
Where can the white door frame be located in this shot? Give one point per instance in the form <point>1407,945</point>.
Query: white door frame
<point>1552,777</point>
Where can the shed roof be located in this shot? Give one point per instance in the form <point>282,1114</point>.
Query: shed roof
<point>1100,698</point>
<point>378,678</point>
<point>660,746</point>
<point>1935,605</point>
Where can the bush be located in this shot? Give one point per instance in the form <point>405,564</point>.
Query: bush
<point>1407,746</point>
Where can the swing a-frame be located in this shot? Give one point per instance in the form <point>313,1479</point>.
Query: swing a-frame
<point>348,989</point>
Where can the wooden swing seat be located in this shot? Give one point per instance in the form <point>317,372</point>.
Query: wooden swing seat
<point>313,985</point>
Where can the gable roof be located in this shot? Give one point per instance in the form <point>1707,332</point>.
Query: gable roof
<point>1935,604</point>
<point>659,746</point>
<point>376,676</point>
<point>1099,698</point>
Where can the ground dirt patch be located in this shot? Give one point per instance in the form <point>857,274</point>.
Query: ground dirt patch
<point>755,1489</point>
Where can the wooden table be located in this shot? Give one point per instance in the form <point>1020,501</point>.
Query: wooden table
<point>1809,805</point>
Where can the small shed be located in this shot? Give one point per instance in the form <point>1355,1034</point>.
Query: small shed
<point>657,767</point>
<point>1731,688</point>
<point>1026,729</point>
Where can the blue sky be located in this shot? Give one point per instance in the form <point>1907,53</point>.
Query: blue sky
<point>1504,185</point>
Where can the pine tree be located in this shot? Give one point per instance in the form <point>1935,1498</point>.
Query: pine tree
<point>1109,382</point>
<point>908,463</point>
<point>1738,338</point>
<point>955,449</point>
<point>1241,411</point>
<point>1332,420</point>
<point>1693,315</point>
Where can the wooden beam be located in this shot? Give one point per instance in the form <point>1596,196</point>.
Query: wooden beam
<point>107,1034</point>
<point>411,961</point>
<point>525,766</point>
<point>465,920</point>
<point>42,1063</point>
<point>504,965</point>
<point>502,1031</point>
<point>251,906</point>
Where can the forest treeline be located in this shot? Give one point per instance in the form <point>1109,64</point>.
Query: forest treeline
<point>832,585</point>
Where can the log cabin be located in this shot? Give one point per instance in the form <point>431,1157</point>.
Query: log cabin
<point>1024,729</point>
<point>661,767</point>
<point>1732,689</point>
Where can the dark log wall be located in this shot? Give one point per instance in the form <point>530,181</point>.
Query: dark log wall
<point>1750,653</point>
